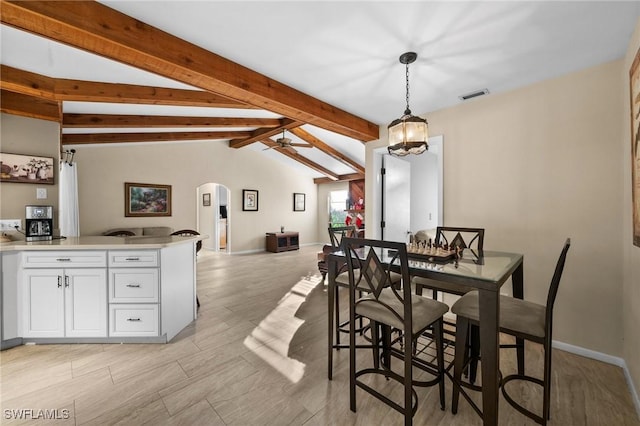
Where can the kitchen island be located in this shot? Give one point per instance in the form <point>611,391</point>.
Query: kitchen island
<point>97,289</point>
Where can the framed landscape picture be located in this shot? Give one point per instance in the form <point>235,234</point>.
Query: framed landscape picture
<point>634,80</point>
<point>21,168</point>
<point>146,200</point>
<point>249,200</point>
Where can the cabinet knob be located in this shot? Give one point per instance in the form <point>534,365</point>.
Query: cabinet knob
<point>134,319</point>
<point>63,259</point>
<point>59,281</point>
<point>132,259</point>
<point>133,285</point>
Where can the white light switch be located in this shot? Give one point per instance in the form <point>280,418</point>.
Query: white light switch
<point>41,193</point>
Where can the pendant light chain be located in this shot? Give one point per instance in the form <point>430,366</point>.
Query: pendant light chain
<point>408,134</point>
<point>407,111</point>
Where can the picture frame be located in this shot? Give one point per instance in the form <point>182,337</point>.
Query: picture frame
<point>298,202</point>
<point>22,168</point>
<point>206,199</point>
<point>634,86</point>
<point>249,200</point>
<point>146,200</point>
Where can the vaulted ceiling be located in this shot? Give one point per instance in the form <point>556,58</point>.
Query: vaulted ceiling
<point>324,73</point>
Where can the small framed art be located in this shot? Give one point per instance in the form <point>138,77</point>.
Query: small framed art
<point>249,200</point>
<point>298,202</point>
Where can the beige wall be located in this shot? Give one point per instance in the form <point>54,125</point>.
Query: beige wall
<point>631,275</point>
<point>537,165</point>
<point>19,135</point>
<point>103,170</point>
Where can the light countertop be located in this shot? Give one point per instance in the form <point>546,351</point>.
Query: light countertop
<point>100,243</point>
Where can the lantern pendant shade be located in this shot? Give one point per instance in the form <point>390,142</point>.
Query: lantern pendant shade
<point>408,134</point>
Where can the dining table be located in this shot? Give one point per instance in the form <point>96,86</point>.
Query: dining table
<point>485,271</point>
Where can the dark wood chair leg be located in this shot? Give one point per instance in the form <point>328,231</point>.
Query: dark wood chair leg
<point>462,330</point>
<point>337,315</point>
<point>408,380</point>
<point>546,404</point>
<point>520,355</point>
<point>386,345</point>
<point>375,341</point>
<point>352,354</point>
<point>438,334</point>
<point>474,342</point>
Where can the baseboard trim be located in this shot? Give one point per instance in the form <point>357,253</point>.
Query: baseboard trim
<point>10,343</point>
<point>609,359</point>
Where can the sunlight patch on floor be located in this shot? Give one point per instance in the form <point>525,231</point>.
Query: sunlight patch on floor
<point>270,340</point>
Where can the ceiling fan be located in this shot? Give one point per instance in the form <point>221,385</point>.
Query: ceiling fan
<point>284,142</point>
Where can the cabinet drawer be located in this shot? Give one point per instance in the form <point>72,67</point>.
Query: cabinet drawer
<point>133,320</point>
<point>141,258</point>
<point>64,259</point>
<point>133,285</point>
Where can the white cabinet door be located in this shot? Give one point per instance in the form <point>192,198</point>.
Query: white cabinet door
<point>65,303</point>
<point>86,302</point>
<point>43,303</point>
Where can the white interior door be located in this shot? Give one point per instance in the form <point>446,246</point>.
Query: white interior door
<point>396,199</point>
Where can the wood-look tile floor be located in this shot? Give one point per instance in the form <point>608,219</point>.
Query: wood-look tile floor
<point>256,355</point>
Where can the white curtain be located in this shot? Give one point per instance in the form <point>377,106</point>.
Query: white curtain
<point>68,204</point>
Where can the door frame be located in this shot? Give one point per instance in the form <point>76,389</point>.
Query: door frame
<point>436,145</point>
<point>213,189</point>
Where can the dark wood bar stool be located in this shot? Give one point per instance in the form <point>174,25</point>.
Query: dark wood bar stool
<point>464,238</point>
<point>391,306</point>
<point>338,235</point>
<point>519,318</point>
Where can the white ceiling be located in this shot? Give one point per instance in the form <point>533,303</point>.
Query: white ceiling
<point>346,53</point>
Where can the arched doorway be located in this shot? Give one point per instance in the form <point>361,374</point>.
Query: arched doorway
<point>213,216</point>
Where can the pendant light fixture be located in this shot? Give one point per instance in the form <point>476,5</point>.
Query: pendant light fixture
<point>408,134</point>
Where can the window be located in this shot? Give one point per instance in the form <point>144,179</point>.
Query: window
<point>337,205</point>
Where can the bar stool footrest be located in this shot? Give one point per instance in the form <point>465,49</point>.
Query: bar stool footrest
<point>516,405</point>
<point>388,374</point>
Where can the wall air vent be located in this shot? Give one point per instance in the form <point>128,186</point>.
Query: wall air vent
<point>473,94</point>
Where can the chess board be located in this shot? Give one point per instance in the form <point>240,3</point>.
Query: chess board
<point>441,256</point>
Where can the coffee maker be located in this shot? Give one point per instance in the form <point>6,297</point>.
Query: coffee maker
<point>39,223</point>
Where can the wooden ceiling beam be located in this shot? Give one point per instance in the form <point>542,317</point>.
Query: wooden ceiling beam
<point>113,120</point>
<point>29,106</point>
<point>263,133</point>
<point>98,29</point>
<point>341,178</point>
<point>293,154</point>
<point>107,138</point>
<point>327,149</point>
<point>90,91</point>
<point>28,83</point>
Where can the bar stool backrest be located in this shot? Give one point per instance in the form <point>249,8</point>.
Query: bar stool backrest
<point>337,233</point>
<point>472,238</point>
